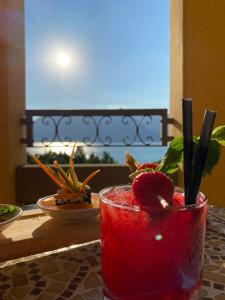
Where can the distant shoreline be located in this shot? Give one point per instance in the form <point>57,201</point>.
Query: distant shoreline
<point>142,154</point>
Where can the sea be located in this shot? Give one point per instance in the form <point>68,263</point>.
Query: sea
<point>140,153</point>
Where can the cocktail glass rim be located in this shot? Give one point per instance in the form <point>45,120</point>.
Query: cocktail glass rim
<point>137,208</point>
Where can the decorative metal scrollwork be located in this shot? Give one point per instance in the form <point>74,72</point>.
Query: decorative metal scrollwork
<point>128,140</point>
<point>133,130</point>
<point>46,122</point>
<point>107,140</point>
<point>147,140</point>
<point>65,140</point>
<point>88,120</point>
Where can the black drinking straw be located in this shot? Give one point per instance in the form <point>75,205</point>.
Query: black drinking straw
<point>188,144</point>
<point>200,155</point>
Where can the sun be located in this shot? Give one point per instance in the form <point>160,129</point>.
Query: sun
<point>63,60</point>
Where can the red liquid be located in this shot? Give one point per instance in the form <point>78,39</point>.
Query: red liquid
<point>146,255</point>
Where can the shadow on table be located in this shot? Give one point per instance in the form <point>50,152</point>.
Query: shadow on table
<point>50,227</point>
<point>56,234</point>
<point>4,239</point>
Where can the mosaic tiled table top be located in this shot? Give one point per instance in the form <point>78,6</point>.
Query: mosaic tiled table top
<point>74,273</point>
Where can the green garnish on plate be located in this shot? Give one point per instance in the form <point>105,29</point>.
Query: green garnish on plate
<point>6,211</point>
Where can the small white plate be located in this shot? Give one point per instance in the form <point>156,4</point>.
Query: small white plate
<point>67,213</point>
<point>11,218</point>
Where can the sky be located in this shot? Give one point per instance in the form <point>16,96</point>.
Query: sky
<point>83,54</point>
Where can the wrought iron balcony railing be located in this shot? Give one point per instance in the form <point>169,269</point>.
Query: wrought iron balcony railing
<point>117,127</point>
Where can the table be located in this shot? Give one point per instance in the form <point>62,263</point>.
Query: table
<point>36,232</point>
<point>74,272</point>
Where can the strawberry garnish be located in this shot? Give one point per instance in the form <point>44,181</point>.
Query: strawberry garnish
<point>148,165</point>
<point>153,189</point>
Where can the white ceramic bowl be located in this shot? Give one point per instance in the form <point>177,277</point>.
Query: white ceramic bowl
<point>67,213</point>
<point>11,218</point>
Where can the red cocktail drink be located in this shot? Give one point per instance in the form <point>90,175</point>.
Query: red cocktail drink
<point>151,254</point>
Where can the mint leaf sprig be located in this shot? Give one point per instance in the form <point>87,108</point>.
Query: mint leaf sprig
<point>174,154</point>
<point>172,157</point>
<point>218,135</point>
